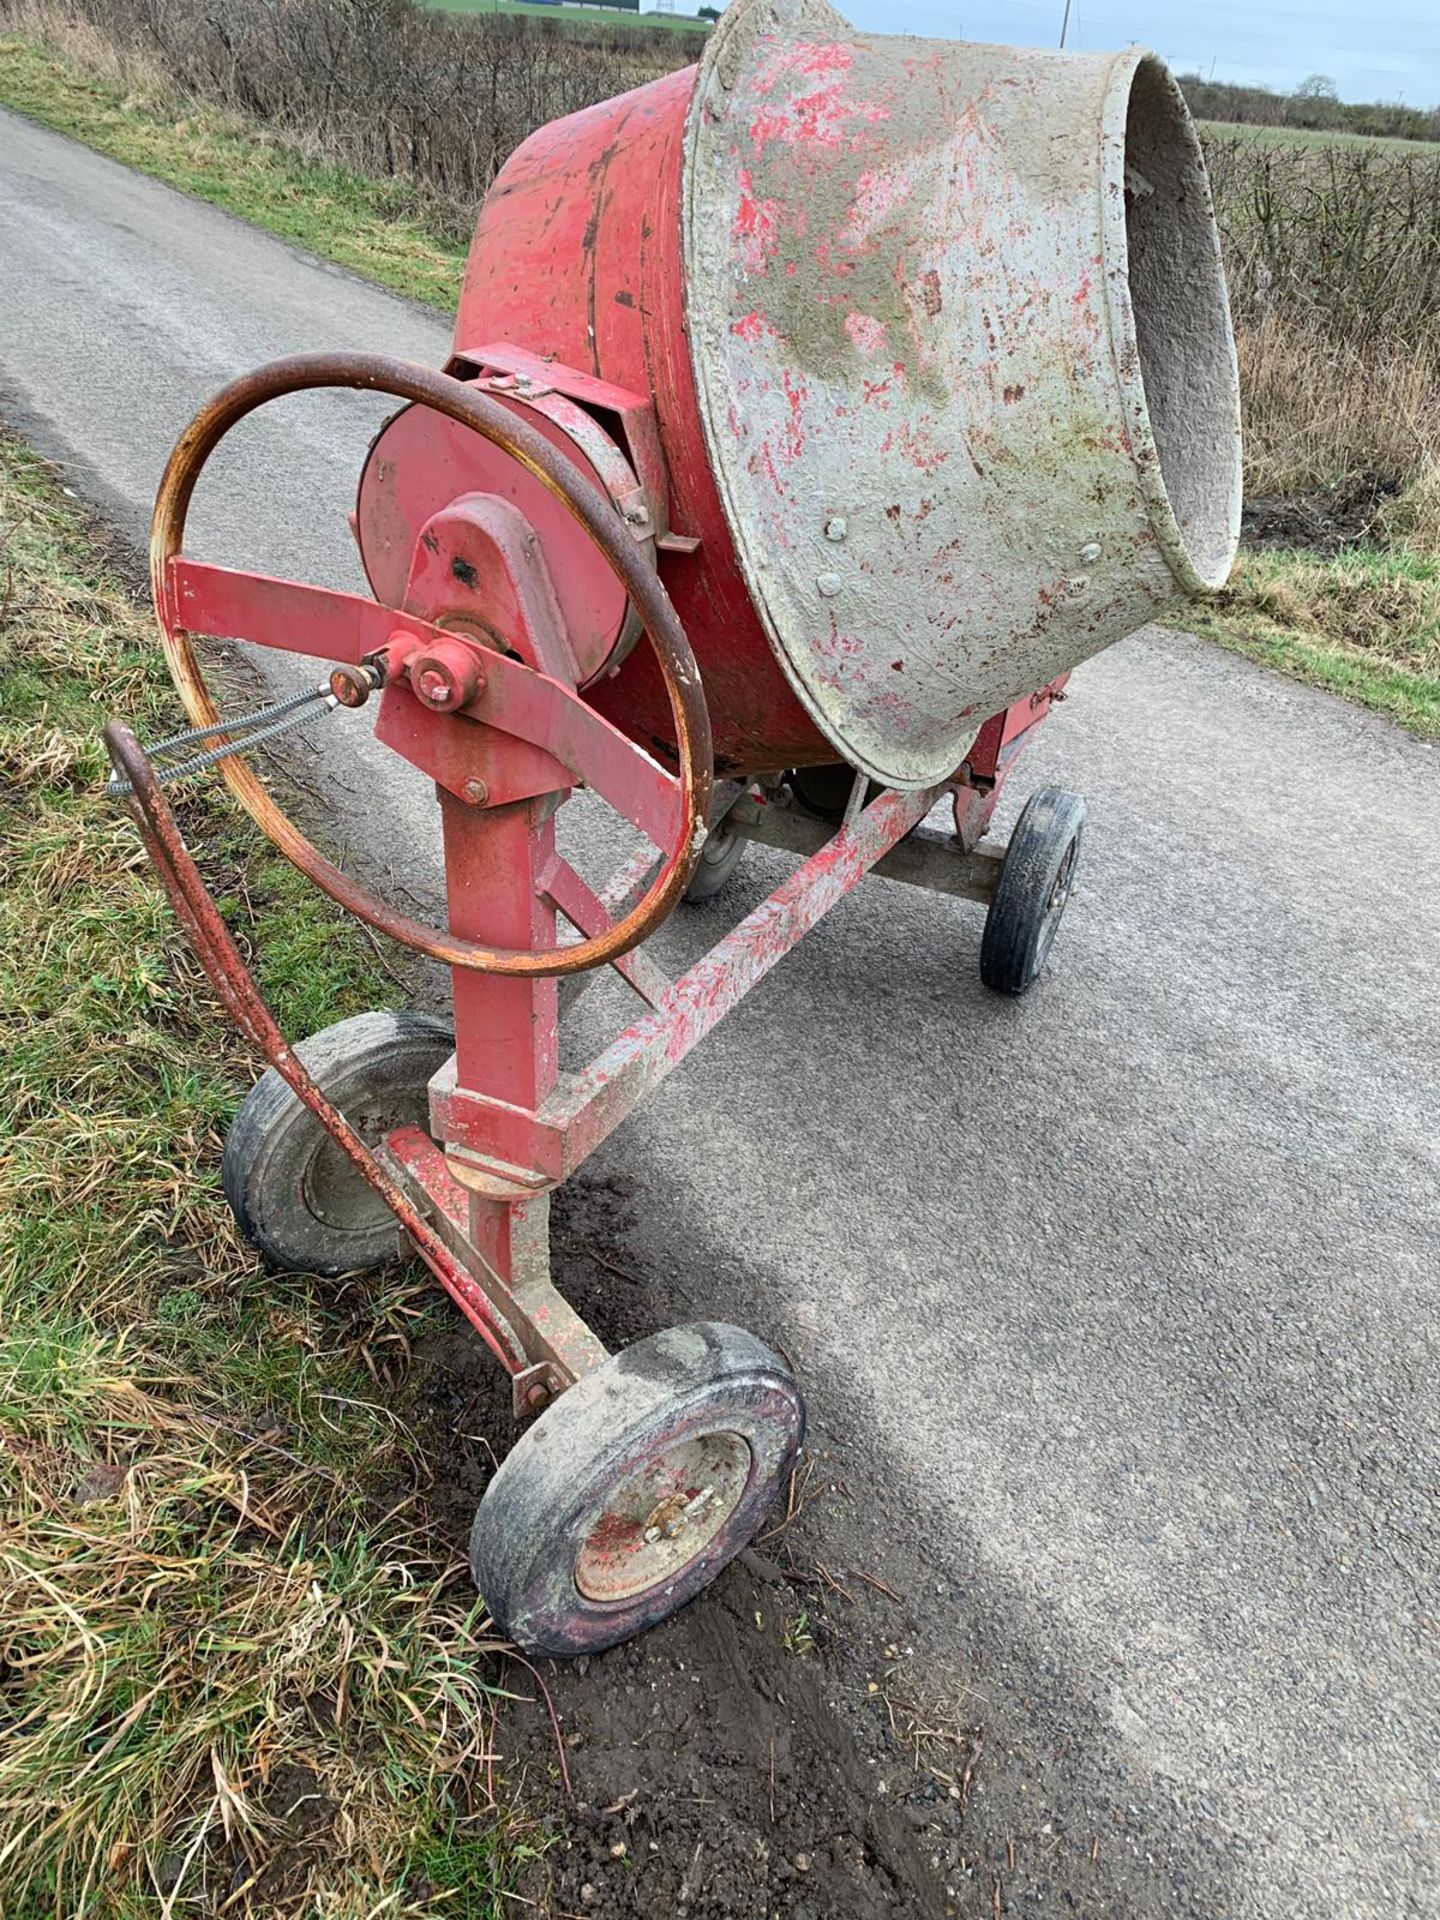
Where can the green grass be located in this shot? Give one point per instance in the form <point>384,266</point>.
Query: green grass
<point>375,228</point>
<point>218,1669</point>
<point>1364,624</point>
<point>575,16</point>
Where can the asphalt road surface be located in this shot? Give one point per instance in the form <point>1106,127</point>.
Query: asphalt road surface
<point>1121,1302</point>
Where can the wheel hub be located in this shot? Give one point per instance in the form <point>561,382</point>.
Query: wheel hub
<point>333,1188</point>
<point>662,1516</point>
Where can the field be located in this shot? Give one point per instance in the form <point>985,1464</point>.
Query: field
<point>575,16</point>
<point>1312,137</point>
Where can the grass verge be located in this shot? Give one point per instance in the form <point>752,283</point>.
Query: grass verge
<point>1297,612</point>
<point>375,228</point>
<point>226,1685</point>
<point>1363,623</point>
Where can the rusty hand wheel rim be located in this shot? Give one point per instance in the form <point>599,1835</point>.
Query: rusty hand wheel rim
<point>379,373</point>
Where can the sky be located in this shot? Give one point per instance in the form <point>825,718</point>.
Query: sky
<point>1371,49</point>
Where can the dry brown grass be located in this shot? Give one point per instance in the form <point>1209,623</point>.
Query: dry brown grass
<point>1316,410</point>
<point>433,101</point>
<point>1332,254</point>
<point>1413,518</point>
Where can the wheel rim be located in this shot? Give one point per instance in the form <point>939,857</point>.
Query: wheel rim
<point>662,1517</point>
<point>1055,902</point>
<point>332,1187</point>
<point>1065,878</point>
<point>338,1195</point>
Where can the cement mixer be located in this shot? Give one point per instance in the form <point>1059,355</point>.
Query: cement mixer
<point>812,413</point>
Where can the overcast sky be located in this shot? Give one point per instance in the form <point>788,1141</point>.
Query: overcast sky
<point>1371,49</point>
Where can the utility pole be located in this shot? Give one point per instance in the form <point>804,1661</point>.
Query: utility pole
<point>1065,23</point>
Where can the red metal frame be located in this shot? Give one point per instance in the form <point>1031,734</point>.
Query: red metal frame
<point>479,688</point>
<point>509,1127</point>
<point>509,1131</point>
<point>218,954</point>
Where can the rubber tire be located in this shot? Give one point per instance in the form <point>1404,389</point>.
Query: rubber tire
<point>542,1502</point>
<point>376,1068</point>
<point>1024,915</point>
<point>719,857</point>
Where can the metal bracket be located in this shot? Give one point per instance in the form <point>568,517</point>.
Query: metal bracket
<point>533,378</point>
<point>936,862</point>
<point>556,1343</point>
<point>536,1387</point>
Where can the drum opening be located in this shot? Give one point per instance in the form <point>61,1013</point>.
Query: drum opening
<point>1182,322</point>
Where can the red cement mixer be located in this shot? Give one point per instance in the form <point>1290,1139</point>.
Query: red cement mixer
<point>811,414</point>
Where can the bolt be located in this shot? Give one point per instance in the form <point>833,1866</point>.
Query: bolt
<point>829,584</point>
<point>665,1523</point>
<point>637,516</point>
<point>537,1395</point>
<point>836,528</point>
<point>477,792</point>
<point>1089,553</point>
<point>434,687</point>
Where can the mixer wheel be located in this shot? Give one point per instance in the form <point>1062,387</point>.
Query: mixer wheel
<point>295,1192</point>
<point>633,1489</point>
<point>1036,881</point>
<point>719,857</point>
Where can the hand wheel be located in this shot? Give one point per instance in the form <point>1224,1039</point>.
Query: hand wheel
<point>194,597</point>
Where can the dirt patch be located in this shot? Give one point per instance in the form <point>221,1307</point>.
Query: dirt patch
<point>729,1763</point>
<point>715,1773</point>
<point>1325,520</point>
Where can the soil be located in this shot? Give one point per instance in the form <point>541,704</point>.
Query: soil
<point>730,1762</point>
<point>1325,520</point>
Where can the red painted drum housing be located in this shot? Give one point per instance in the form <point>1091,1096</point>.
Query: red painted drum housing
<point>938,350</point>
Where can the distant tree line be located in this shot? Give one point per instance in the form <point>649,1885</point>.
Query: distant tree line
<point>1314,105</point>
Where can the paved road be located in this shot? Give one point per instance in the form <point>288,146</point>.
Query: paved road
<point>1125,1297</point>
